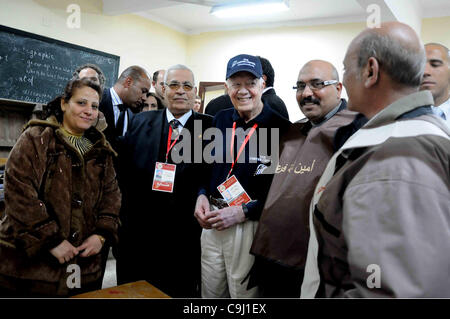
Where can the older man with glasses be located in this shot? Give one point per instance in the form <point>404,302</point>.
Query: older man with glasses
<point>281,240</point>
<point>160,179</point>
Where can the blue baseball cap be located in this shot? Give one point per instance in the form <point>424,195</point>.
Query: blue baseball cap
<point>246,63</point>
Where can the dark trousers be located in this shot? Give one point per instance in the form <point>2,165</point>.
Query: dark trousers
<point>276,280</point>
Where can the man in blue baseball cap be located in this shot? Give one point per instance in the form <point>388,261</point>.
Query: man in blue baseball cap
<point>229,207</point>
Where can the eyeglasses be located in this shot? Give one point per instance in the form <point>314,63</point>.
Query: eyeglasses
<point>176,86</point>
<point>313,85</point>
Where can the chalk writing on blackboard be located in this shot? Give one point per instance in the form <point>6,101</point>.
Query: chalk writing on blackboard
<point>35,69</point>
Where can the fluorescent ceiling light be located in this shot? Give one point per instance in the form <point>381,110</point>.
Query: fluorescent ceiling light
<point>249,8</point>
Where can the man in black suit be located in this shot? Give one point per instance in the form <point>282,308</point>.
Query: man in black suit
<point>92,71</point>
<point>158,84</point>
<point>217,104</point>
<point>159,240</point>
<point>269,95</point>
<point>122,100</point>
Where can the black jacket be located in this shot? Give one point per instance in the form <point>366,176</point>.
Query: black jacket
<point>248,172</point>
<point>270,97</point>
<point>160,238</point>
<point>275,102</point>
<point>106,107</point>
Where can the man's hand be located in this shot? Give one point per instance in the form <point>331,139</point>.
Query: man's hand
<point>201,210</point>
<point>64,252</point>
<point>91,246</point>
<point>226,217</point>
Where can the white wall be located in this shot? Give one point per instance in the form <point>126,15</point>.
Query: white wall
<point>135,39</point>
<point>288,49</point>
<point>154,46</point>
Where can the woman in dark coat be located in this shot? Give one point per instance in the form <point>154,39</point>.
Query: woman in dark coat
<point>62,200</point>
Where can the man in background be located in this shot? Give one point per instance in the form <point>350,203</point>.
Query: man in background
<point>158,84</point>
<point>125,98</point>
<point>269,95</point>
<point>92,71</point>
<point>437,78</point>
<point>198,103</point>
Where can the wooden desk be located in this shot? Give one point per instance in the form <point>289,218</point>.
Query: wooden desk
<point>138,289</point>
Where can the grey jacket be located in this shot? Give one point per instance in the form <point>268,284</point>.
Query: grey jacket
<point>383,221</point>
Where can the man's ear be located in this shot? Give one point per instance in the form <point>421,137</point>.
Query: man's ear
<point>128,82</point>
<point>371,72</point>
<point>339,90</point>
<point>265,80</point>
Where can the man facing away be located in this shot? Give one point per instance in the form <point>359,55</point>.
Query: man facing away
<point>380,224</point>
<point>436,78</point>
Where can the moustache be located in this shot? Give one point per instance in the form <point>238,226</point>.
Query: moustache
<point>309,99</point>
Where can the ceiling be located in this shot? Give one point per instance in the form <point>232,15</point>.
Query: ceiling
<point>192,17</point>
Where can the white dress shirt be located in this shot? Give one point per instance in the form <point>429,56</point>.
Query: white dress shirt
<point>116,100</point>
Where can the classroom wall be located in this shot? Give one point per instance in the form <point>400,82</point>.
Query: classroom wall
<point>135,39</point>
<point>287,48</point>
<point>155,46</point>
<point>436,30</point>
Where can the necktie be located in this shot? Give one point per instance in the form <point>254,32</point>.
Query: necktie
<point>121,120</point>
<point>175,124</point>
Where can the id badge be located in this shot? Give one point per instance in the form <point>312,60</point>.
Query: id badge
<point>233,192</point>
<point>164,178</point>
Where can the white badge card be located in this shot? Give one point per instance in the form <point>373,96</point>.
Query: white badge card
<point>164,178</point>
<point>233,192</point>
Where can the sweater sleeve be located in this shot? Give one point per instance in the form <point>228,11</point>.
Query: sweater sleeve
<point>108,216</point>
<point>33,228</point>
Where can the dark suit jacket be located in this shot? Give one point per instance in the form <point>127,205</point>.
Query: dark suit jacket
<point>275,102</point>
<point>217,104</point>
<point>106,107</point>
<point>224,102</point>
<point>160,238</point>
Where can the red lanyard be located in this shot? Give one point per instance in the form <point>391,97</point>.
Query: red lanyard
<point>169,146</point>
<point>242,146</point>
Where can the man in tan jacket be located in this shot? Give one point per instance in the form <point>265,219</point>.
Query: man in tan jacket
<point>381,222</point>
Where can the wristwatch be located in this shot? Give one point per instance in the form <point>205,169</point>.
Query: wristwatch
<point>102,239</point>
<point>245,210</point>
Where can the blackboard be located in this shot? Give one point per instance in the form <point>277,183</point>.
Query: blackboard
<point>34,68</point>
